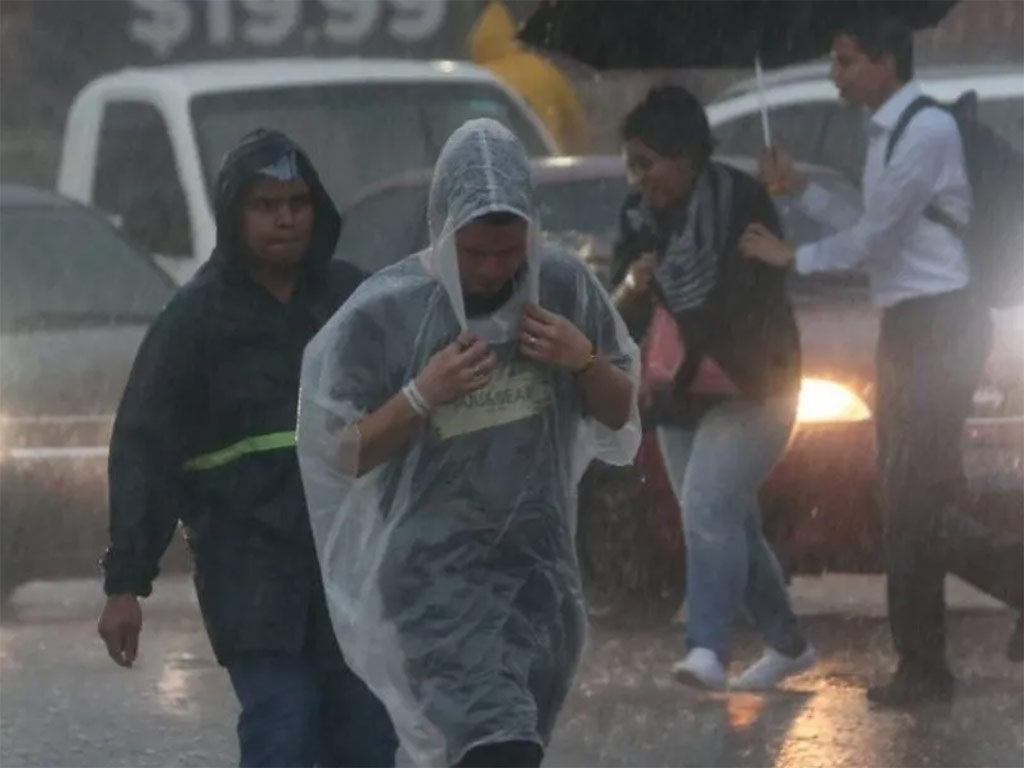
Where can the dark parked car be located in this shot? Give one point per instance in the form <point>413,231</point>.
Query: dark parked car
<point>819,502</point>
<point>75,301</point>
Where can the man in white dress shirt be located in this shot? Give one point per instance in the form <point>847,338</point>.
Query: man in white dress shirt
<point>935,338</point>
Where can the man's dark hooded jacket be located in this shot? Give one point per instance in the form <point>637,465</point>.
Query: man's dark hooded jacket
<point>205,430</point>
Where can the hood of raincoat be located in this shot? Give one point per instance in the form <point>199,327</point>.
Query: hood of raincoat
<point>494,35</point>
<point>482,169</point>
<point>265,153</point>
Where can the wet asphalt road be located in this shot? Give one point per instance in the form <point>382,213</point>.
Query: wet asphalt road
<point>63,703</point>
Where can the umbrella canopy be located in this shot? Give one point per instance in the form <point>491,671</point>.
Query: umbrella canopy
<point>649,34</point>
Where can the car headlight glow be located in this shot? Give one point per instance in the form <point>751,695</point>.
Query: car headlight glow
<point>823,401</point>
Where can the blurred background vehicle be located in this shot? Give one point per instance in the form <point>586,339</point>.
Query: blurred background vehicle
<point>75,301</point>
<point>144,145</point>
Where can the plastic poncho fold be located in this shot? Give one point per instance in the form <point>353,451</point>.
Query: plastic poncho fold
<point>450,571</point>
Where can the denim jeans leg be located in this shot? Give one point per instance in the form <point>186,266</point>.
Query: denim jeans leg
<point>279,695</point>
<point>767,599</point>
<point>715,549</point>
<point>716,472</point>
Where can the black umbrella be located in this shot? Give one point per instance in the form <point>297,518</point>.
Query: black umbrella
<point>647,34</point>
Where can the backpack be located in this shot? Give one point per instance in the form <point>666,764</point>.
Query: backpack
<point>994,237</point>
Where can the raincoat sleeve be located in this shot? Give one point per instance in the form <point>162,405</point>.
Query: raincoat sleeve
<point>599,321</point>
<point>345,377</point>
<point>602,324</point>
<point>147,452</point>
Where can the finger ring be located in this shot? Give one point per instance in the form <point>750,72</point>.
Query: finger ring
<point>531,340</point>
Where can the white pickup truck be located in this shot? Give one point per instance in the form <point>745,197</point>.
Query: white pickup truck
<point>144,145</point>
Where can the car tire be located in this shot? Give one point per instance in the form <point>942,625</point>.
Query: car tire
<point>10,578</point>
<point>629,574</point>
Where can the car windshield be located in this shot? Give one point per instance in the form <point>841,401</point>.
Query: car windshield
<point>391,224</point>
<point>63,267</point>
<point>589,206</point>
<point>384,228</point>
<point>356,134</point>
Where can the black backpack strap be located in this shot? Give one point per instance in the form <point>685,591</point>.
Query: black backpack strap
<point>921,102</point>
<point>932,212</point>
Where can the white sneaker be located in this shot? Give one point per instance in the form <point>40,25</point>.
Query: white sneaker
<point>771,669</point>
<point>700,668</point>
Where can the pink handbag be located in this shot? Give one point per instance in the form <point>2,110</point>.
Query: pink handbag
<point>662,355</point>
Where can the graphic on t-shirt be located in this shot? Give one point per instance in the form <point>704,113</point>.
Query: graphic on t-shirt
<point>516,391</point>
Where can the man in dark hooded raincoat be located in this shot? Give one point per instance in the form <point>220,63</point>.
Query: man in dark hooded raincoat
<point>205,435</point>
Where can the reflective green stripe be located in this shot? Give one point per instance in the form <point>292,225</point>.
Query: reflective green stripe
<point>271,442</point>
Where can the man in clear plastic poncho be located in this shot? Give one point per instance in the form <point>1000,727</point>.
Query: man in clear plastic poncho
<point>446,415</point>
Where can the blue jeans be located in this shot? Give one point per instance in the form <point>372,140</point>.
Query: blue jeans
<point>716,472</point>
<point>305,710</point>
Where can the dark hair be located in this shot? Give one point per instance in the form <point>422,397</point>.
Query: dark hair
<point>671,121</point>
<point>499,218</point>
<point>884,36</point>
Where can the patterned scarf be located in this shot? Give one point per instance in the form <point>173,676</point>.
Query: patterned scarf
<point>688,266</point>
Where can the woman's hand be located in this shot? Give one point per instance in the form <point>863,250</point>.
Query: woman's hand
<point>641,274</point>
<point>637,287</point>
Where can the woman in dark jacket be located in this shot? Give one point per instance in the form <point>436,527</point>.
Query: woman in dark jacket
<point>726,418</point>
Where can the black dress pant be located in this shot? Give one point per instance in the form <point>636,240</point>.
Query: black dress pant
<point>931,356</point>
